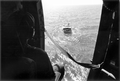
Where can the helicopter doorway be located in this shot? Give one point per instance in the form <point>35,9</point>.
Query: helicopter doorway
<point>83,19</point>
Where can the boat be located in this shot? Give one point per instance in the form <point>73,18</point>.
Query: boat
<point>67,30</point>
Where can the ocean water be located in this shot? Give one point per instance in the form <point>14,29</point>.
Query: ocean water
<point>84,21</point>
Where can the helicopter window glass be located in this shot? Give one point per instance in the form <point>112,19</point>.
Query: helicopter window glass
<point>73,24</point>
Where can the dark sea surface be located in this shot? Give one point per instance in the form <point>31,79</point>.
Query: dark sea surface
<point>84,21</point>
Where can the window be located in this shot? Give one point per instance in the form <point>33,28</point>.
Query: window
<point>83,17</point>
